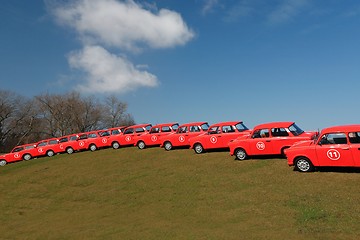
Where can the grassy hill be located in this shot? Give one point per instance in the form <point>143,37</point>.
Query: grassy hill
<point>154,194</point>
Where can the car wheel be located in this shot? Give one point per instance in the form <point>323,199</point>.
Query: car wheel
<point>304,165</point>
<point>92,147</point>
<point>115,145</point>
<point>240,154</point>
<point>198,148</point>
<point>168,146</point>
<point>2,163</point>
<point>50,153</point>
<point>27,157</point>
<point>141,145</point>
<point>70,150</point>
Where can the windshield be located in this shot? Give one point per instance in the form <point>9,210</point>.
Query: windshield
<point>205,127</point>
<point>294,129</point>
<point>241,127</point>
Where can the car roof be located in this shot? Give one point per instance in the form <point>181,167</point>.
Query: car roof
<point>139,125</point>
<point>165,124</point>
<point>274,125</point>
<point>192,123</point>
<point>343,128</point>
<point>226,123</point>
<point>46,140</point>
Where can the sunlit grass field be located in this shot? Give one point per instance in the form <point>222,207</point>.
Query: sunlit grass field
<point>154,194</point>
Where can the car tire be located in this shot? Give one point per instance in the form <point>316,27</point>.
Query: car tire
<point>141,145</point>
<point>92,147</point>
<point>2,163</point>
<point>240,154</point>
<point>198,148</point>
<point>115,145</point>
<point>50,153</point>
<point>27,157</point>
<point>303,164</point>
<point>70,150</point>
<point>167,146</point>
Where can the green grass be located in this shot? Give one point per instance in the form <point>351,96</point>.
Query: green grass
<point>154,194</point>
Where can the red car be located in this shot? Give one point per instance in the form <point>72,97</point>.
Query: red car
<point>128,137</point>
<point>334,147</point>
<point>181,137</point>
<point>152,138</point>
<point>218,136</point>
<point>48,147</point>
<point>268,139</point>
<point>93,140</point>
<point>113,134</point>
<point>17,154</point>
<point>69,143</point>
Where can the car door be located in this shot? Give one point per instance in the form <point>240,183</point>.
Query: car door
<point>229,133</point>
<point>260,142</point>
<point>213,139</point>
<point>279,138</point>
<point>354,139</point>
<point>334,150</point>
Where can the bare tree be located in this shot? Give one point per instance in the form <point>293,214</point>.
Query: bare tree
<point>54,115</point>
<point>17,117</point>
<point>115,112</point>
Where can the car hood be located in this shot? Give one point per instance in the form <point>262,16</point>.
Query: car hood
<point>302,143</point>
<point>310,134</point>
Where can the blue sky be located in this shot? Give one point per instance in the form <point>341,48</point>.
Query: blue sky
<point>196,60</point>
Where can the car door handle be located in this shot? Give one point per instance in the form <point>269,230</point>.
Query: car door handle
<point>345,148</point>
<point>268,141</point>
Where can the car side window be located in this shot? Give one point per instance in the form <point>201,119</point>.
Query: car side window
<point>155,130</point>
<point>261,133</point>
<point>214,130</point>
<point>354,137</point>
<point>165,129</point>
<point>115,132</point>
<point>182,129</point>
<point>333,138</point>
<point>42,144</point>
<point>227,129</point>
<point>18,149</point>
<point>92,135</point>
<point>195,129</point>
<point>73,138</point>
<point>279,132</point>
<point>83,136</point>
<point>129,131</point>
<point>53,142</point>
<point>139,130</point>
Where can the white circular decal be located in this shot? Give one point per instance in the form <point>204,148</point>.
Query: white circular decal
<point>181,139</point>
<point>40,150</point>
<point>333,154</point>
<point>104,140</point>
<point>213,139</point>
<point>81,144</point>
<point>16,155</point>
<point>260,146</point>
<point>61,147</point>
<point>153,138</point>
<point>128,138</point>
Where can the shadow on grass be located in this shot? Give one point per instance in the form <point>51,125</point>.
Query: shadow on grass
<point>338,169</point>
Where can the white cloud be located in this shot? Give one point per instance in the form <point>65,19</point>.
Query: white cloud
<point>106,72</point>
<point>208,6</point>
<point>125,24</point>
<point>286,11</point>
<point>240,10</point>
